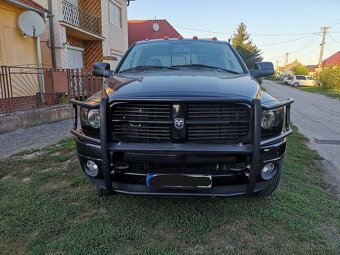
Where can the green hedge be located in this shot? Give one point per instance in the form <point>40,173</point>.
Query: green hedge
<point>329,77</point>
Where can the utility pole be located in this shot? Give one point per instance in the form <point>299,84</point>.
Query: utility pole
<point>324,32</point>
<point>286,60</point>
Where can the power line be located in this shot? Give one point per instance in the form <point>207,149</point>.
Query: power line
<point>304,46</point>
<point>225,33</point>
<point>334,39</point>
<point>299,50</point>
<point>314,49</point>
<point>334,21</point>
<point>336,24</point>
<point>296,39</point>
<point>206,31</point>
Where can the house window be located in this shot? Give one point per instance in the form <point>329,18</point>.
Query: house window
<point>115,13</point>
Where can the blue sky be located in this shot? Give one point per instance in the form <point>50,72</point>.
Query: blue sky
<point>261,17</point>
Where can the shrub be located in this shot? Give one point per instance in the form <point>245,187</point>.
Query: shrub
<point>300,70</point>
<point>329,77</point>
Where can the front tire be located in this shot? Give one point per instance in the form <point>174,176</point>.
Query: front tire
<point>101,192</point>
<point>274,183</point>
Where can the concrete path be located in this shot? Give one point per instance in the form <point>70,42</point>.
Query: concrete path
<point>318,118</point>
<point>34,138</point>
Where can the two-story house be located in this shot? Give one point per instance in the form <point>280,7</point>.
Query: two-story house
<point>77,34</point>
<point>83,32</point>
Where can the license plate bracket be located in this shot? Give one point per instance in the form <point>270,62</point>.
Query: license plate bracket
<point>185,181</point>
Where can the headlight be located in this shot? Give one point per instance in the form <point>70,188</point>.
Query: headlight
<point>90,117</point>
<point>271,118</point>
<point>94,118</point>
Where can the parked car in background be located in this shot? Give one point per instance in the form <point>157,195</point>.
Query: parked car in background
<point>287,80</point>
<point>302,80</point>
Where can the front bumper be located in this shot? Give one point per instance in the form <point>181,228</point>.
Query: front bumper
<point>258,152</point>
<point>134,182</point>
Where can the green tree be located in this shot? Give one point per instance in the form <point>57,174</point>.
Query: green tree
<point>245,47</point>
<point>300,70</point>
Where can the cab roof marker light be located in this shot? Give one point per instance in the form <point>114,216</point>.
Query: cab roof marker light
<point>195,37</point>
<point>214,38</point>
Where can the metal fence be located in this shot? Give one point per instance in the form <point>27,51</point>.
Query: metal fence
<point>19,87</point>
<point>82,84</point>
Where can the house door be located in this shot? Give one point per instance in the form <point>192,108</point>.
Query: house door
<point>75,61</point>
<point>75,57</point>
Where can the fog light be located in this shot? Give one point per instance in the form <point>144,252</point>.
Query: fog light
<point>268,171</point>
<point>91,168</point>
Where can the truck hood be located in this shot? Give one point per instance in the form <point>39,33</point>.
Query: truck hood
<point>157,84</point>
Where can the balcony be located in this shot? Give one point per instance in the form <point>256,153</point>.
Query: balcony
<point>80,23</point>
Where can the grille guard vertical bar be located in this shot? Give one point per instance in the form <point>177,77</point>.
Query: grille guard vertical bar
<point>104,141</point>
<point>255,165</point>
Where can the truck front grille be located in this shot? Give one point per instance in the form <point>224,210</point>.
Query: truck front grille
<point>218,123</point>
<point>141,122</point>
<point>204,123</point>
<point>226,112</point>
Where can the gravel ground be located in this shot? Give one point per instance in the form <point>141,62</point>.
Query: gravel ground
<point>318,118</point>
<point>34,138</point>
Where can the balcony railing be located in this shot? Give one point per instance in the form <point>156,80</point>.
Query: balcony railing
<point>80,18</point>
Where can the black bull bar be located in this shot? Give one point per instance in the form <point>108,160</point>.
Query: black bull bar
<point>253,148</point>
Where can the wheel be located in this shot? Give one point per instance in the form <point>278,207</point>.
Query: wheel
<point>296,84</point>
<point>285,83</point>
<point>274,183</point>
<point>101,192</point>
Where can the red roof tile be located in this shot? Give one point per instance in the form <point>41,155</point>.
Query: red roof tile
<point>333,60</point>
<point>143,29</point>
<point>32,4</point>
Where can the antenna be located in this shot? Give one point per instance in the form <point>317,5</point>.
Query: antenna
<point>31,24</point>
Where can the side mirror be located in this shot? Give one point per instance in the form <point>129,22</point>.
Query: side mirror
<point>262,69</point>
<point>102,69</point>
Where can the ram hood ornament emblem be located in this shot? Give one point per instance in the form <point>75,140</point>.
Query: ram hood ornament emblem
<point>179,123</point>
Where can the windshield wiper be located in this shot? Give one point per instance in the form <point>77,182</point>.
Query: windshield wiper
<point>207,66</point>
<point>147,67</point>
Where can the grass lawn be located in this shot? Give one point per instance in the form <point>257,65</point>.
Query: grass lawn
<point>320,90</point>
<point>48,207</point>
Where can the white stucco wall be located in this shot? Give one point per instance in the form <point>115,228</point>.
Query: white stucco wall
<point>59,32</point>
<point>116,38</point>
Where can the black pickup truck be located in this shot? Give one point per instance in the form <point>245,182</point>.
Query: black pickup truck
<point>182,117</point>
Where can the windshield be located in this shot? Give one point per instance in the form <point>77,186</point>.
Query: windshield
<point>181,54</point>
